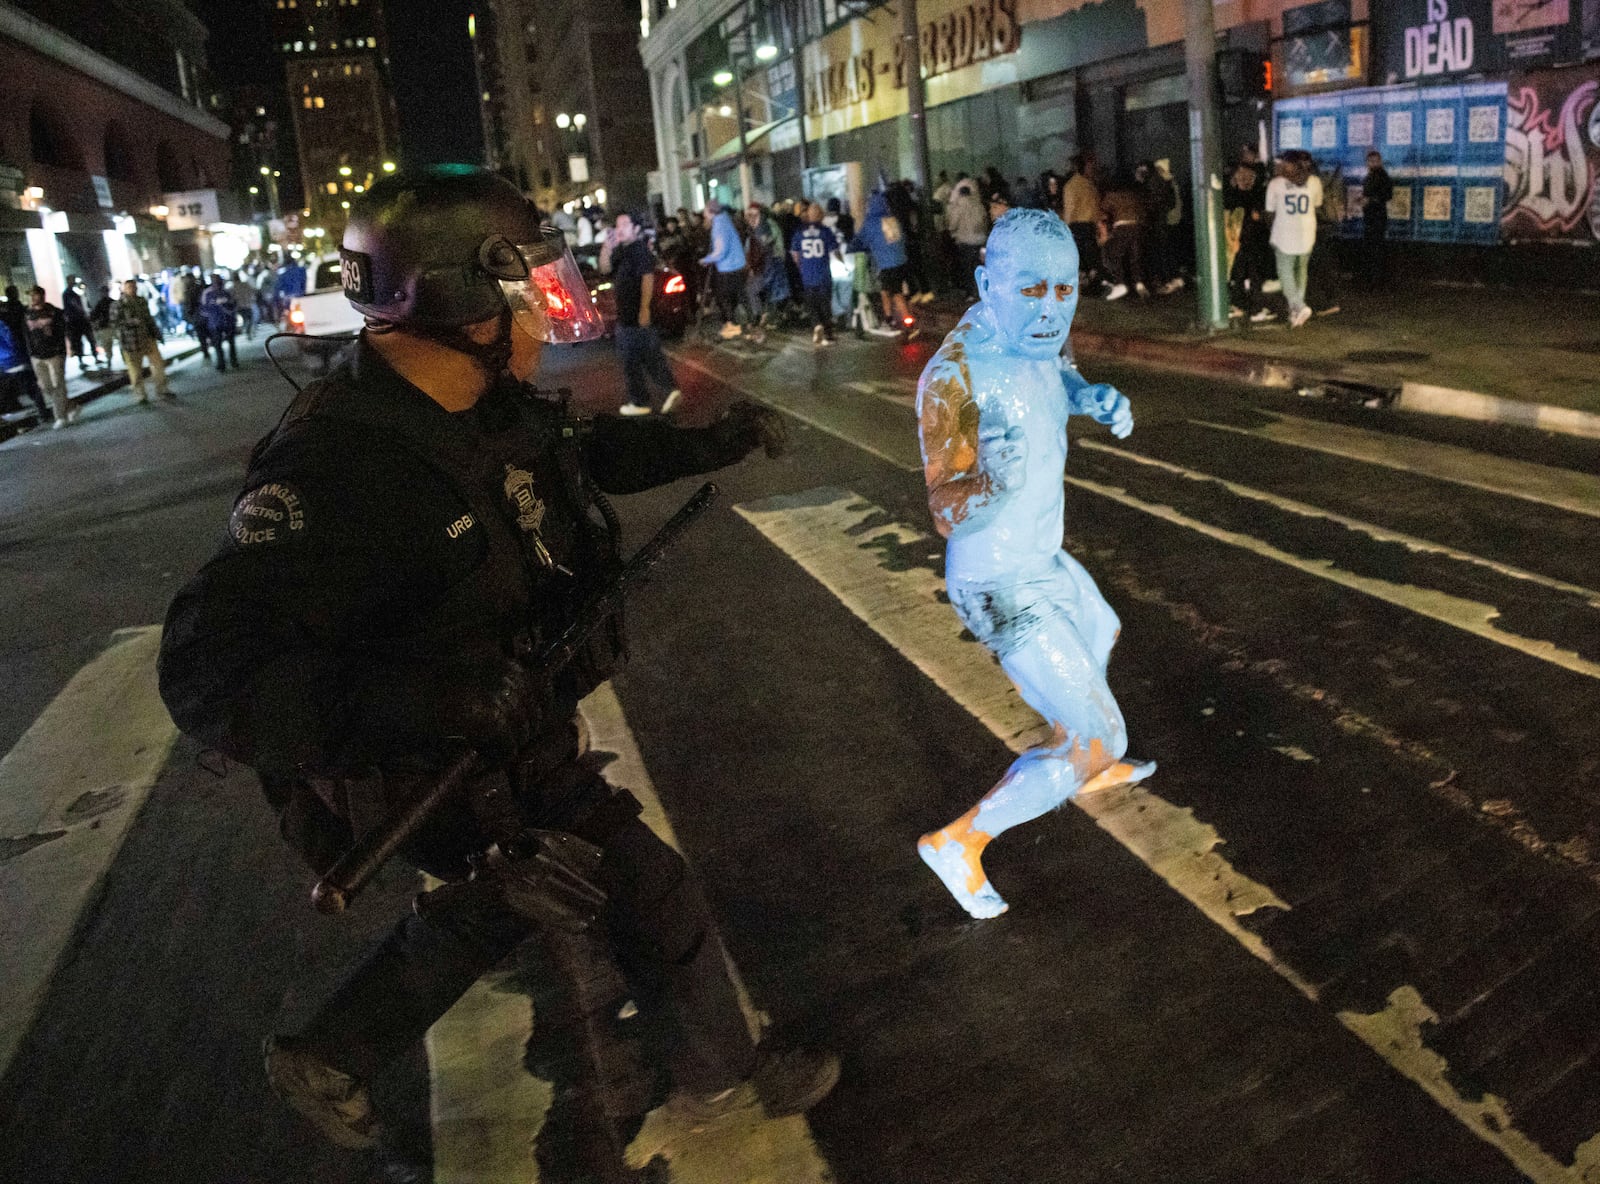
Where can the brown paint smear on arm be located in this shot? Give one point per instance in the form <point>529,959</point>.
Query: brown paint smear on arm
<point>949,427</point>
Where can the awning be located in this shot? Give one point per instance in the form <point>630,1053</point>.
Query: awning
<point>14,219</point>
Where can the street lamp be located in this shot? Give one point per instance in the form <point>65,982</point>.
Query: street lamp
<point>254,189</point>
<point>722,78</point>
<point>579,120</point>
<point>388,166</point>
<point>765,53</point>
<point>344,170</point>
<point>266,170</point>
<point>563,121</point>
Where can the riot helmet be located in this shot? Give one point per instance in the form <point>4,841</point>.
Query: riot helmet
<point>436,249</point>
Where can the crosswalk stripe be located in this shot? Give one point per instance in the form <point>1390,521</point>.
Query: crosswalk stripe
<point>1379,534</point>
<point>1562,489</point>
<point>487,1110</point>
<point>825,531</point>
<point>69,790</point>
<point>1470,616</point>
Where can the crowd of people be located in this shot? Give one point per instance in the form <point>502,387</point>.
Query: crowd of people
<point>134,318</point>
<point>797,262</point>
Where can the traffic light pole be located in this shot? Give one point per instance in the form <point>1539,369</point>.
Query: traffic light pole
<point>1205,160</point>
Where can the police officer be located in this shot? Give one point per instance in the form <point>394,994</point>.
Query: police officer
<point>418,525</point>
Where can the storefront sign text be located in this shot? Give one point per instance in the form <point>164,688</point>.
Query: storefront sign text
<point>1442,46</point>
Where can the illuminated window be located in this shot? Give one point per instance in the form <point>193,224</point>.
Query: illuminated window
<point>358,70</point>
<point>305,88</point>
<point>319,102</point>
<point>299,45</point>
<point>372,43</point>
<point>306,102</point>
<point>347,70</point>
<point>333,187</point>
<point>313,45</point>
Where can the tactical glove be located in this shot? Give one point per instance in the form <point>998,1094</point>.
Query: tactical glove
<point>763,426</point>
<point>426,711</point>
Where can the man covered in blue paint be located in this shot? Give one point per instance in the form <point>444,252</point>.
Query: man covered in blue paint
<point>992,409</point>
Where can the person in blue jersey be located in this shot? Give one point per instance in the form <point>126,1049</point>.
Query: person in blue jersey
<point>813,249</point>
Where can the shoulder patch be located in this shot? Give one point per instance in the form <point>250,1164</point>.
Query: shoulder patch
<point>270,513</point>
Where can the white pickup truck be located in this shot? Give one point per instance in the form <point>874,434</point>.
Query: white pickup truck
<point>323,311</point>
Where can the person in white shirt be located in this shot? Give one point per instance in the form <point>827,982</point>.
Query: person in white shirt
<point>1292,200</point>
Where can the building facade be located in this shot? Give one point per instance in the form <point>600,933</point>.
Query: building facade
<point>566,100</point>
<point>336,71</point>
<point>103,137</point>
<point>748,94</point>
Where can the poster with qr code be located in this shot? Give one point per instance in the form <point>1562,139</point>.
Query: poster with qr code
<point>1397,129</point>
<point>1290,134</point>
<point>1359,132</point>
<point>1441,125</point>
<point>1400,204</point>
<point>1325,131</point>
<point>1478,206</point>
<point>1483,125</point>
<point>1436,203</point>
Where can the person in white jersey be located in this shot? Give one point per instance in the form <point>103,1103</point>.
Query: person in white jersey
<point>1292,200</point>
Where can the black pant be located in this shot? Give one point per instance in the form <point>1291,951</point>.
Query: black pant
<point>968,258</point>
<point>219,339</point>
<point>1125,254</point>
<point>819,303</point>
<point>1084,235</point>
<point>1322,273</point>
<point>643,362</point>
<point>26,381</point>
<point>728,289</point>
<point>1374,245</point>
<point>655,921</point>
<point>1250,269</point>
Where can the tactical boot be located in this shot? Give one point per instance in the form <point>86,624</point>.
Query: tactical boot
<point>784,1083</point>
<point>334,1101</point>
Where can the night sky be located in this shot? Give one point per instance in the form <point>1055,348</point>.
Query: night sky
<point>430,58</point>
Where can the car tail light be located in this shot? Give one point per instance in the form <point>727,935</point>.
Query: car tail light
<point>675,285</point>
<point>909,321</point>
<point>297,319</point>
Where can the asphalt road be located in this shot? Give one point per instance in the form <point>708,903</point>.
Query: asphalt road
<point>1345,933</point>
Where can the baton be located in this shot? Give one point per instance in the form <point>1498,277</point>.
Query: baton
<point>356,867</point>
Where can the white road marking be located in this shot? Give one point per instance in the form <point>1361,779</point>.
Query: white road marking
<point>69,791</point>
<point>814,529</point>
<point>1377,533</point>
<point>487,1110</point>
<point>1467,615</point>
<point>1560,488</point>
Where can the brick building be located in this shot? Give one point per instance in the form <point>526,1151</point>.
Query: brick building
<point>102,124</point>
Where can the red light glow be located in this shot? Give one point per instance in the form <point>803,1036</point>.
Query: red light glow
<point>557,304</point>
<point>674,285</point>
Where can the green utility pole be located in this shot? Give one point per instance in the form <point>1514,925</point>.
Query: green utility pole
<point>914,95</point>
<point>1205,160</point>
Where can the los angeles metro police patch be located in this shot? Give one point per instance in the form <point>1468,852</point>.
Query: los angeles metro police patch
<point>271,513</point>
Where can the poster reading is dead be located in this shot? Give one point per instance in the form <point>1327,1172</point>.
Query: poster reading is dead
<point>1553,156</point>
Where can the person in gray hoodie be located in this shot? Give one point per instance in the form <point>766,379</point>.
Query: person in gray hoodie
<point>968,225</point>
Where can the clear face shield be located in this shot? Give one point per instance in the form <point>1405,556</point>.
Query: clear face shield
<point>546,292</point>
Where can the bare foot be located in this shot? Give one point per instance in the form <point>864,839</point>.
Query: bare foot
<point>954,853</point>
<point>1121,773</point>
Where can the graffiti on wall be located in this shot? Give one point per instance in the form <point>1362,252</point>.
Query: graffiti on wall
<point>1553,156</point>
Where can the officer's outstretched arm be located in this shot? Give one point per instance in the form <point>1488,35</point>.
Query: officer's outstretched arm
<point>630,455</point>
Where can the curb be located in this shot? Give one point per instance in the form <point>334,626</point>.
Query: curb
<point>1278,374</point>
<point>10,430</point>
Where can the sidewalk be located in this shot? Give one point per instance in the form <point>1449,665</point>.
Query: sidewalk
<point>83,387</point>
<point>1496,354</point>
